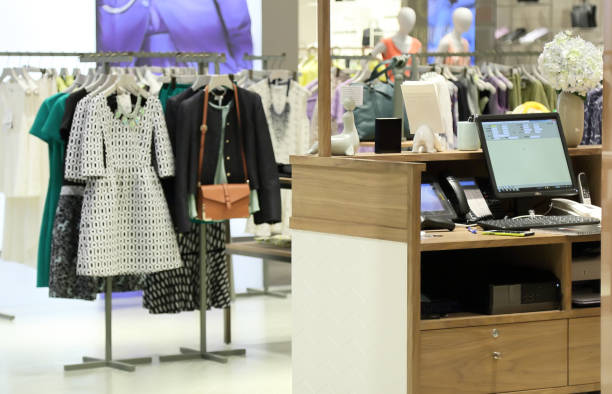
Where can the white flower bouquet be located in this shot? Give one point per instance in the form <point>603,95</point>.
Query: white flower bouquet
<point>571,64</point>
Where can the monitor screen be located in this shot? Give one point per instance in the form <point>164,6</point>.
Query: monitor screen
<point>527,155</point>
<point>430,202</point>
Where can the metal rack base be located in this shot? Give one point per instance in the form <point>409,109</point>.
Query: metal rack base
<point>203,353</point>
<point>265,291</point>
<point>127,365</point>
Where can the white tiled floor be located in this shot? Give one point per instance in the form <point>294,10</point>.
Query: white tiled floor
<point>48,333</point>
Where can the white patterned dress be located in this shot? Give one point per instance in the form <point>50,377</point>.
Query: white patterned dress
<point>125,224</point>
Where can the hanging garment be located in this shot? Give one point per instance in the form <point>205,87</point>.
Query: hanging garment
<point>24,169</point>
<point>178,290</point>
<point>533,90</point>
<point>63,279</point>
<point>125,223</point>
<point>593,107</point>
<point>308,70</point>
<point>285,109</point>
<point>50,133</point>
<point>253,135</point>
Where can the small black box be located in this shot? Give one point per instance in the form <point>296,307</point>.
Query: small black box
<point>388,135</point>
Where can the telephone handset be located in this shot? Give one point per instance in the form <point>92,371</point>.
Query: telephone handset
<point>571,207</point>
<point>466,197</point>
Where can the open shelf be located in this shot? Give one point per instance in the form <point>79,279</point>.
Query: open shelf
<point>453,155</point>
<point>461,238</point>
<point>458,320</point>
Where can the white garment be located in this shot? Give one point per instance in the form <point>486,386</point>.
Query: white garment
<point>24,169</point>
<point>285,109</point>
<point>125,224</point>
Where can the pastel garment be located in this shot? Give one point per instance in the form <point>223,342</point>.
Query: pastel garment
<point>125,224</point>
<point>285,109</point>
<point>24,168</point>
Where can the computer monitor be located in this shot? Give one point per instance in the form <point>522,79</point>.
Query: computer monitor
<point>527,155</point>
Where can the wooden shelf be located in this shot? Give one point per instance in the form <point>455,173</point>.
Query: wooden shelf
<point>461,238</point>
<point>459,320</point>
<point>581,151</point>
<point>259,250</point>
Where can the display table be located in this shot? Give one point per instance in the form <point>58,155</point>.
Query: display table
<point>357,254</point>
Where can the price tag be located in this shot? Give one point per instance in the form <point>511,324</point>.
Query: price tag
<point>353,93</point>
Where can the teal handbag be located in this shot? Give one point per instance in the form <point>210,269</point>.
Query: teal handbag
<point>377,103</point>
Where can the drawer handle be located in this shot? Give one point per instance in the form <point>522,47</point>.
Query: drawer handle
<point>496,355</point>
<point>495,333</point>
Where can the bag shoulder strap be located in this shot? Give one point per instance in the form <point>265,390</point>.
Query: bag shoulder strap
<point>204,129</point>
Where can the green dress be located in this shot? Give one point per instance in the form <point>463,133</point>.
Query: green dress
<point>46,127</point>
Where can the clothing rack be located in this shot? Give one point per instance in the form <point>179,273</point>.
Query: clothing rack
<point>106,59</point>
<point>277,60</point>
<point>202,353</point>
<point>348,58</point>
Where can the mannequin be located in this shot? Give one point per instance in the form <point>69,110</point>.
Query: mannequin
<point>454,42</point>
<point>401,43</point>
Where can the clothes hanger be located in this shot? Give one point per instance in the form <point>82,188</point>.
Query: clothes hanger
<point>12,72</point>
<point>109,81</point>
<point>78,82</point>
<point>282,75</point>
<point>128,83</point>
<point>220,81</point>
<point>201,81</point>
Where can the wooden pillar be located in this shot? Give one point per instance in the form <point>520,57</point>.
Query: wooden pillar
<point>324,78</point>
<point>606,198</point>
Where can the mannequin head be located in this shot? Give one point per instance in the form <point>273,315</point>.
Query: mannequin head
<point>406,19</point>
<point>462,20</point>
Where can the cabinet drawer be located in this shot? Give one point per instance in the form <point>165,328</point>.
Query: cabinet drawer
<point>584,350</point>
<point>491,359</point>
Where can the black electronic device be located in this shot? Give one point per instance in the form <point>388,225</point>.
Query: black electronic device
<point>434,203</point>
<point>529,222</point>
<point>466,198</point>
<point>388,135</point>
<point>436,223</point>
<point>501,290</point>
<point>583,188</point>
<point>526,155</point>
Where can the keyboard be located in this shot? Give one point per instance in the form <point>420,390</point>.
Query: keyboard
<point>527,223</point>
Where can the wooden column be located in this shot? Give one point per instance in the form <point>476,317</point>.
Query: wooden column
<point>606,234</point>
<point>324,78</point>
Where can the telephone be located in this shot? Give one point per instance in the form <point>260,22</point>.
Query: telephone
<point>466,198</point>
<point>575,208</point>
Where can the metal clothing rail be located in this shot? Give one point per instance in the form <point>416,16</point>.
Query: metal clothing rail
<point>266,59</point>
<point>202,58</point>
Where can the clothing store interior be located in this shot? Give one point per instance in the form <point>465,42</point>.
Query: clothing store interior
<point>305,196</point>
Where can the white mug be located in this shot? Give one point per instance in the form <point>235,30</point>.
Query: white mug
<point>467,136</point>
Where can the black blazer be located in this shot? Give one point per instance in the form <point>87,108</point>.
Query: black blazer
<point>254,135</point>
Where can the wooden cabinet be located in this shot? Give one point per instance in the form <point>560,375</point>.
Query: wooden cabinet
<point>584,350</point>
<point>488,359</point>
